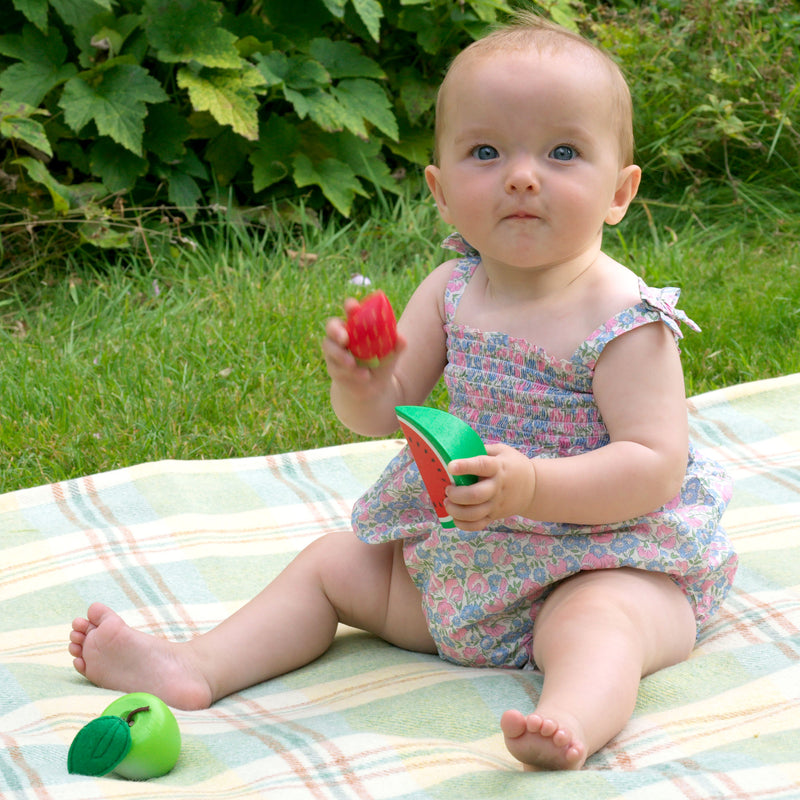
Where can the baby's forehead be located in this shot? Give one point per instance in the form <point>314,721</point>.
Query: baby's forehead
<point>569,69</point>
<point>573,55</point>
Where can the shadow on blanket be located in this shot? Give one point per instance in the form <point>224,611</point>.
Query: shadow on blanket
<point>176,546</point>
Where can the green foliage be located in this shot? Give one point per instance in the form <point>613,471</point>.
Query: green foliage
<point>110,108</point>
<point>171,101</point>
<point>715,87</point>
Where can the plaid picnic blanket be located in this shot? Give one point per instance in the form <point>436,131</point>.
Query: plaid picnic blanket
<point>176,546</point>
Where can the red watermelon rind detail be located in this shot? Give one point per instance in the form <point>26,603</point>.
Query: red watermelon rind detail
<point>435,438</point>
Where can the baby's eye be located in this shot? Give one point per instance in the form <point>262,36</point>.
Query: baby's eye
<point>564,152</point>
<point>485,152</point>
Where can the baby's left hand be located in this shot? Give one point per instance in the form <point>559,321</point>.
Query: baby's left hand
<point>506,488</point>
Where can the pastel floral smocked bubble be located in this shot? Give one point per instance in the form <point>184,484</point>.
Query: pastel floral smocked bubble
<point>482,590</point>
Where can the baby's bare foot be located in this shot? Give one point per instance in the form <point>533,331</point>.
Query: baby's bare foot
<point>114,656</point>
<point>541,742</point>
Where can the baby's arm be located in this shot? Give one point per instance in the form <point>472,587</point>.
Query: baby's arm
<point>638,387</point>
<point>364,399</point>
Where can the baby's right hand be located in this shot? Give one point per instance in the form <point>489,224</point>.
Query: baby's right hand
<point>343,367</point>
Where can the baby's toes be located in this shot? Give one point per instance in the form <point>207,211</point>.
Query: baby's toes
<point>513,724</point>
<point>562,738</point>
<point>77,637</point>
<point>534,723</point>
<point>575,756</point>
<point>549,728</point>
<point>81,625</point>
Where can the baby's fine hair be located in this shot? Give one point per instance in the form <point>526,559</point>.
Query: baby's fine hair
<point>528,30</point>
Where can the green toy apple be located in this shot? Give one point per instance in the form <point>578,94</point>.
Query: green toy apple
<point>137,737</point>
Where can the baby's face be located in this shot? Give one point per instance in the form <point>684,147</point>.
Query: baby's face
<point>529,155</point>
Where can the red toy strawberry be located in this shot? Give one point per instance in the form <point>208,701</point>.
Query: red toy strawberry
<point>371,329</point>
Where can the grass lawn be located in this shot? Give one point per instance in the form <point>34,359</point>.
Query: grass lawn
<point>213,351</point>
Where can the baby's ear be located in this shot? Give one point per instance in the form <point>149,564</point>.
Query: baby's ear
<point>627,186</point>
<point>433,179</point>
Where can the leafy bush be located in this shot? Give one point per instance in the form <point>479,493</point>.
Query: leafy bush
<point>110,111</point>
<point>175,100</point>
<point>715,87</point>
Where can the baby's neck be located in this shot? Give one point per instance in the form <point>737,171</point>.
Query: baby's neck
<point>556,321</point>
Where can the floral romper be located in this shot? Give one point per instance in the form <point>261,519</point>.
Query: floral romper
<point>482,590</point>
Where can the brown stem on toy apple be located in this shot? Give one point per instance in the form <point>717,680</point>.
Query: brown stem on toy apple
<point>133,713</point>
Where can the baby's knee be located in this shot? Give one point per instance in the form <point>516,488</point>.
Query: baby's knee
<point>587,598</point>
<point>630,605</point>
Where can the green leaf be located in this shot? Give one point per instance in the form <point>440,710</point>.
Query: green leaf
<point>60,195</point>
<point>337,181</point>
<point>271,161</point>
<point>363,157</point>
<point>182,188</point>
<point>109,33</point>
<point>336,7</point>
<point>17,108</point>
<point>272,66</point>
<point>64,197</point>
<point>75,13</point>
<point>227,96</point>
<point>486,10</point>
<point>564,14</point>
<point>183,192</point>
<point>27,130</point>
<point>114,97</point>
<point>370,101</point>
<point>320,106</point>
<point>414,145</point>
<point>166,130</point>
<point>99,233</point>
<point>305,73</point>
<point>417,96</point>
<point>266,170</point>
<point>16,123</point>
<point>42,66</point>
<point>35,11</point>
<point>344,60</point>
<point>430,37</point>
<point>99,746</point>
<point>298,72</point>
<point>189,30</point>
<point>192,165</point>
<point>116,166</point>
<point>370,12</point>
<point>225,155</point>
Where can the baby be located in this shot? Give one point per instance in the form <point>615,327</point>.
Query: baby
<point>591,545</point>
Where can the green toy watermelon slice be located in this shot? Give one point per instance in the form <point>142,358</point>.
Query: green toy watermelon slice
<point>436,438</point>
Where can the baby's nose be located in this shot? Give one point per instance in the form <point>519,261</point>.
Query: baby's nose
<point>522,176</point>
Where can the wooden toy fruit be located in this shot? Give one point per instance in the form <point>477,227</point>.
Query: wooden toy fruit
<point>372,329</point>
<point>137,737</point>
<point>436,438</point>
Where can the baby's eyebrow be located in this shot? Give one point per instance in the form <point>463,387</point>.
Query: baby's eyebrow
<point>473,135</point>
<point>573,131</point>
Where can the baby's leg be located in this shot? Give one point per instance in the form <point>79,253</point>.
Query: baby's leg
<point>595,637</point>
<point>291,622</point>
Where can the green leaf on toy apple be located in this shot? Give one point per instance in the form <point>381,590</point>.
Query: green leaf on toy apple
<point>99,746</point>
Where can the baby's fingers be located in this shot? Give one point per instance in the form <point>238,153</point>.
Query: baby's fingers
<point>468,507</point>
<point>336,331</point>
<point>340,362</point>
<point>482,466</point>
